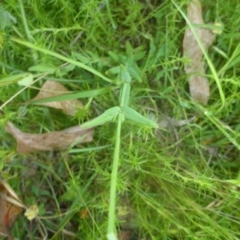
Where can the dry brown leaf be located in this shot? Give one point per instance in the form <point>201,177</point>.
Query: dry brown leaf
<point>27,142</point>
<point>198,83</point>
<point>10,207</point>
<point>51,89</point>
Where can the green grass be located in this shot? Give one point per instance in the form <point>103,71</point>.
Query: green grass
<point>174,183</point>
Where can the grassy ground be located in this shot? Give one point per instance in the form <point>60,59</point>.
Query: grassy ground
<point>177,183</point>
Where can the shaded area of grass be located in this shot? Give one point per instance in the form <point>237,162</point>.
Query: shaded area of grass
<point>178,183</point>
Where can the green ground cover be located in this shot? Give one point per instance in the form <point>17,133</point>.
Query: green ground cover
<point>133,179</point>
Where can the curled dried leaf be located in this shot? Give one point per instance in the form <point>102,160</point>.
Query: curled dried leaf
<point>10,207</point>
<point>199,85</point>
<point>51,89</point>
<point>27,142</point>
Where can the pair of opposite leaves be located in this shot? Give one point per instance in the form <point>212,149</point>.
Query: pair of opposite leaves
<point>198,83</point>
<point>199,90</point>
<point>27,142</point>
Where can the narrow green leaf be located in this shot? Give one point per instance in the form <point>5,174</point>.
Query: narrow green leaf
<point>114,70</point>
<point>26,81</point>
<point>125,94</point>
<point>6,18</point>
<point>124,75</point>
<point>107,116</point>
<point>59,56</point>
<point>135,72</point>
<point>90,149</point>
<point>139,55</point>
<point>42,68</point>
<point>69,96</point>
<point>80,57</point>
<point>64,70</point>
<point>12,79</point>
<point>129,48</point>
<point>125,91</point>
<point>136,117</point>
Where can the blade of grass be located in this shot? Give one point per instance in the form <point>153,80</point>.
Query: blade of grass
<point>74,207</point>
<point>90,149</point>
<point>28,34</point>
<point>59,56</point>
<point>110,15</point>
<point>232,61</point>
<point>109,115</point>
<point>12,79</point>
<point>23,89</point>
<point>69,96</point>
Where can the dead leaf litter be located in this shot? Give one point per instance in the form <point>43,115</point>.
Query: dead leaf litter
<point>198,82</point>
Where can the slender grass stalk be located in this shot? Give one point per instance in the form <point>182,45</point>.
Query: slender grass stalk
<point>28,33</point>
<point>29,36</point>
<point>20,91</point>
<point>111,235</point>
<point>234,58</point>
<point>59,56</point>
<point>110,15</point>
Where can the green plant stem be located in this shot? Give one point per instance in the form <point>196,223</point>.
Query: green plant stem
<point>110,15</point>
<point>29,36</point>
<point>28,33</point>
<point>112,204</point>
